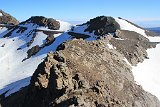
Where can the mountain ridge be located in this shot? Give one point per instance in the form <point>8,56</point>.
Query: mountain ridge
<point>107,33</point>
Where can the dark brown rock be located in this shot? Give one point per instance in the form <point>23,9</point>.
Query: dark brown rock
<point>43,21</point>
<point>102,25</point>
<point>33,51</point>
<point>49,40</point>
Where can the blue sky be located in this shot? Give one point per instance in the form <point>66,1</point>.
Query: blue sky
<point>80,10</point>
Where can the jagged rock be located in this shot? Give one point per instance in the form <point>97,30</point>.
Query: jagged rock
<point>7,19</point>
<point>132,45</point>
<point>42,21</point>
<point>102,25</point>
<point>49,40</point>
<point>83,74</point>
<point>33,51</point>
<point>32,40</point>
<point>130,35</point>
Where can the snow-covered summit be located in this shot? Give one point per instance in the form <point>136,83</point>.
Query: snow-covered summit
<point>22,48</point>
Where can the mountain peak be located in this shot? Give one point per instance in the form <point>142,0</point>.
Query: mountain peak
<point>43,21</point>
<point>6,18</point>
<point>102,25</point>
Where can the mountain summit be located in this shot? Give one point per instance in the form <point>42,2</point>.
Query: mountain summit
<point>50,63</point>
<point>7,18</point>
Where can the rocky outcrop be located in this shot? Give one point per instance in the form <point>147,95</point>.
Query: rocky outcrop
<point>102,25</point>
<point>83,74</point>
<point>43,21</point>
<point>7,19</point>
<point>78,35</point>
<point>33,51</point>
<point>132,45</point>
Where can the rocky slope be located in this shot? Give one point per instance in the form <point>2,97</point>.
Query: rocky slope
<point>90,64</point>
<point>83,74</point>
<point>30,42</point>
<point>6,18</point>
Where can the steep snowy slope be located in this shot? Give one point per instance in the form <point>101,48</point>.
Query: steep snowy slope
<point>26,45</point>
<point>146,73</point>
<point>125,25</point>
<point>15,62</point>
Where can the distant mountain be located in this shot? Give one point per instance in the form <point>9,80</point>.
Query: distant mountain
<point>156,29</point>
<point>46,62</point>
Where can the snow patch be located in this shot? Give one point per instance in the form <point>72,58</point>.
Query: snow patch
<point>127,61</point>
<point>119,38</point>
<point>81,30</point>
<point>64,26</point>
<point>39,39</point>
<point>12,67</point>
<point>13,70</point>
<point>2,29</point>
<point>110,46</point>
<point>124,25</point>
<point>147,74</point>
<point>1,14</point>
